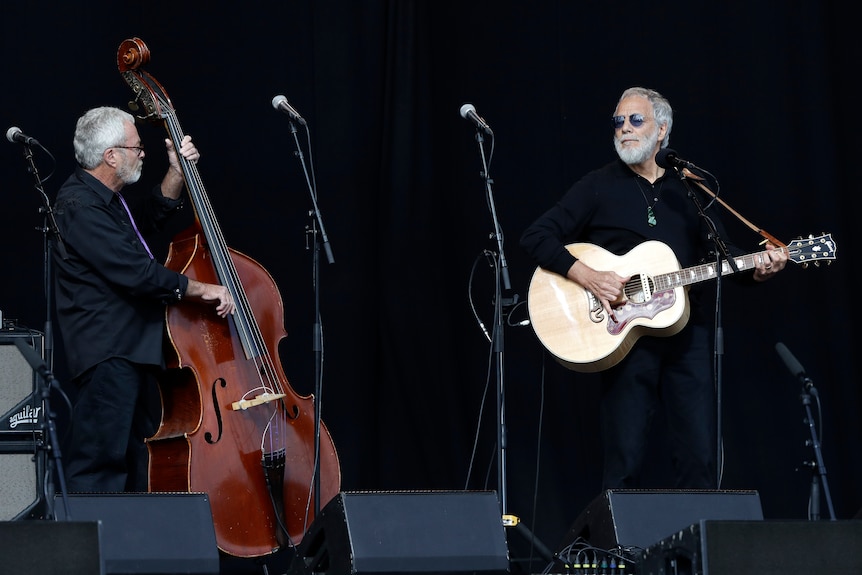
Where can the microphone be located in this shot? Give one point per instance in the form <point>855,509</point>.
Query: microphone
<point>468,112</point>
<point>795,367</point>
<point>667,158</point>
<point>280,103</point>
<point>14,134</point>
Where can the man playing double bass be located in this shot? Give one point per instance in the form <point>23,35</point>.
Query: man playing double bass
<point>111,295</point>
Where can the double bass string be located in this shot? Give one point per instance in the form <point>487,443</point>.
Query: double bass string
<point>272,441</point>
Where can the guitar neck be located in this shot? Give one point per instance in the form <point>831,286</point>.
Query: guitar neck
<point>705,272</point>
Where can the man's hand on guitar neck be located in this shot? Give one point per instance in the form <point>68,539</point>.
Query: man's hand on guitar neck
<point>773,261</point>
<point>608,287</point>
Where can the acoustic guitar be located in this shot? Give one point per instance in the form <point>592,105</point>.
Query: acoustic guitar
<point>572,325</point>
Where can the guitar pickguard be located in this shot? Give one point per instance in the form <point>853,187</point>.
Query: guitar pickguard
<point>630,311</point>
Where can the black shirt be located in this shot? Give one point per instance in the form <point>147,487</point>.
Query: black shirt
<point>608,208</point>
<point>110,294</point>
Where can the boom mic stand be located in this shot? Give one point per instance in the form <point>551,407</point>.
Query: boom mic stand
<point>49,230</point>
<point>318,233</point>
<point>722,254</point>
<point>666,158</point>
<point>48,381</point>
<point>51,234</point>
<point>502,282</point>
<point>818,466</point>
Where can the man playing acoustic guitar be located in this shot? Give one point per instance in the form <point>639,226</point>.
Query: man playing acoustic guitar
<point>617,208</point>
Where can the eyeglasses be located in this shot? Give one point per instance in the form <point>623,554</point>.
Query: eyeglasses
<point>138,149</point>
<point>636,120</point>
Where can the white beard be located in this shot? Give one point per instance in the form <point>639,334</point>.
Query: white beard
<point>633,155</point>
<point>130,173</point>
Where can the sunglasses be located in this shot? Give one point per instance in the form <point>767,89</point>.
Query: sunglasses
<point>636,120</point>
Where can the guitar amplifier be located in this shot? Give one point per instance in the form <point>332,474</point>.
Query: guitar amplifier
<point>21,409</point>
<point>22,414</point>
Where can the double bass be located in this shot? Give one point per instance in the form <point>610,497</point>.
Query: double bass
<point>231,425</point>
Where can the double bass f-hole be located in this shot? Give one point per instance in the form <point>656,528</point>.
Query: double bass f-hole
<point>259,467</point>
<point>208,436</point>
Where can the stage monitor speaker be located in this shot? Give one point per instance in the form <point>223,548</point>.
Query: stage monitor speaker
<point>725,547</point>
<point>50,548</point>
<point>405,532</point>
<point>639,518</point>
<point>22,459</point>
<point>149,533</point>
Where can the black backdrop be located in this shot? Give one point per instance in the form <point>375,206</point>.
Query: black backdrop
<point>761,98</point>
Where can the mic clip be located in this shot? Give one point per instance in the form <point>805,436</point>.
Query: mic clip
<point>808,384</point>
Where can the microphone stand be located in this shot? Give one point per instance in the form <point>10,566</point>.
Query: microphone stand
<point>722,253</point>
<point>48,381</point>
<point>502,282</point>
<point>49,230</point>
<point>818,466</point>
<point>50,234</point>
<point>318,233</point>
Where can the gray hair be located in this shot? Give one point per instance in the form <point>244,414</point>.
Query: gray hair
<point>660,106</point>
<point>96,131</point>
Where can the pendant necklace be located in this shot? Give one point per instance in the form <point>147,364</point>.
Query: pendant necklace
<point>649,205</point>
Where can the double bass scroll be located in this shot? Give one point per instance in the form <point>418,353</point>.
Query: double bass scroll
<point>231,425</point>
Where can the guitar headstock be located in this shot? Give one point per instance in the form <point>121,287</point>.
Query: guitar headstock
<point>809,250</point>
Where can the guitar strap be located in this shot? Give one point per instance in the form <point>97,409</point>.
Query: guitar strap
<point>766,235</point>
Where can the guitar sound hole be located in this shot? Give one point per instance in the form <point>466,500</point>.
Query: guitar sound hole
<point>634,291</point>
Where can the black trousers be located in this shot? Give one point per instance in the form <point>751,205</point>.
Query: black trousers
<point>104,450</point>
<point>674,372</point>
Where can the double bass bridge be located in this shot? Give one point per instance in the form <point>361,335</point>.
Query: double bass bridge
<point>261,399</point>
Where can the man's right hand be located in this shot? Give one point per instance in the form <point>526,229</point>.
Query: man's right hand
<point>607,286</point>
<point>212,293</point>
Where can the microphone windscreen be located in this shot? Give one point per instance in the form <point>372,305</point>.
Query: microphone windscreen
<point>12,132</point>
<point>277,100</point>
<point>467,108</point>
<point>664,157</point>
<point>789,360</point>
